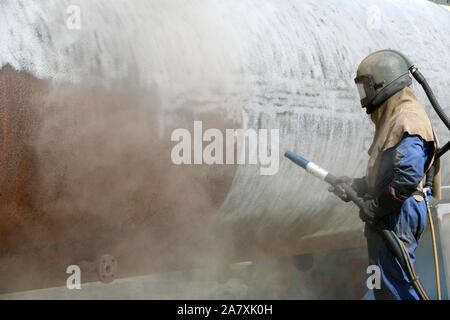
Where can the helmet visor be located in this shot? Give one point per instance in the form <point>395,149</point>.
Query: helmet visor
<point>366,89</point>
<point>361,91</point>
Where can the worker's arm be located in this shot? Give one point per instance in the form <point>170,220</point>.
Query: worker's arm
<point>405,163</point>
<point>409,164</point>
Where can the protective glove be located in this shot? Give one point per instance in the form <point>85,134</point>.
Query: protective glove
<point>360,186</point>
<point>369,212</point>
<point>373,210</point>
<point>338,190</point>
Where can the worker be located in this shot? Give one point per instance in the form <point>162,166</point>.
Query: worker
<point>401,154</point>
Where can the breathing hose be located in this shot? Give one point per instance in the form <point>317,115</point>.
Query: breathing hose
<point>440,112</point>
<point>423,82</point>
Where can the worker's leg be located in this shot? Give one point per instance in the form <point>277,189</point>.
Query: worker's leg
<point>408,224</point>
<point>392,276</point>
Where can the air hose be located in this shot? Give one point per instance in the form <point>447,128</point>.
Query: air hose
<point>434,103</point>
<point>440,112</point>
<point>389,237</point>
<point>423,82</point>
<point>407,265</point>
<point>433,239</point>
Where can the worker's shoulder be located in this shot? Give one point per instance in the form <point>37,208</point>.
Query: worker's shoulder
<point>411,112</point>
<point>411,118</point>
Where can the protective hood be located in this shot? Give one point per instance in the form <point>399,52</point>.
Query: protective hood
<point>400,114</point>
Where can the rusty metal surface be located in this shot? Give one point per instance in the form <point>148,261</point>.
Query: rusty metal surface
<point>91,189</point>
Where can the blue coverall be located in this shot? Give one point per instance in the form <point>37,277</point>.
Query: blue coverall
<point>401,169</point>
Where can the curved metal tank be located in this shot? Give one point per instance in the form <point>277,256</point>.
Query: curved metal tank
<point>87,115</point>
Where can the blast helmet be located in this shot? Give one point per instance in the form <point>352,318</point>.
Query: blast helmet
<point>380,75</point>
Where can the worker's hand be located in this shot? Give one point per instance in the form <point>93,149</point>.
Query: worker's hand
<point>384,204</point>
<point>368,212</point>
<point>339,190</point>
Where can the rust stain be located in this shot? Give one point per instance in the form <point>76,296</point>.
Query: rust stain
<point>85,173</point>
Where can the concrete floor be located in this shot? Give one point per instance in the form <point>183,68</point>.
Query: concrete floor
<point>327,275</point>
